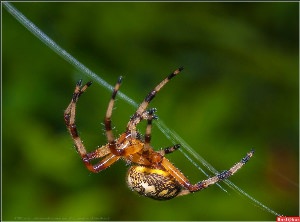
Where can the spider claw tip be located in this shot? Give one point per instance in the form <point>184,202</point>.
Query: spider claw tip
<point>177,146</point>
<point>155,117</point>
<point>79,82</point>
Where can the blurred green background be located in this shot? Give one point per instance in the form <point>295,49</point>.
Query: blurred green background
<point>239,90</point>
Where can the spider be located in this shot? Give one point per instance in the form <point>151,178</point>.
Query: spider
<point>150,174</point>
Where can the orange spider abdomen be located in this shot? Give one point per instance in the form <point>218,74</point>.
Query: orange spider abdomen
<point>154,183</point>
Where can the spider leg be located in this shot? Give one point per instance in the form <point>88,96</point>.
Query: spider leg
<point>138,115</point>
<point>107,121</point>
<point>169,149</point>
<point>150,117</point>
<point>99,152</point>
<point>205,183</point>
<point>69,117</point>
<point>69,114</point>
<point>104,163</point>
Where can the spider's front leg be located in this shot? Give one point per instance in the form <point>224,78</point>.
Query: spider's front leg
<point>69,117</point>
<point>141,111</point>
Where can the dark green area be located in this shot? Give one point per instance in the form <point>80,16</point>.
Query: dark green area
<point>239,90</point>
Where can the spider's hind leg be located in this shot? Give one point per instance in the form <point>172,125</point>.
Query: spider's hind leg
<point>188,187</point>
<point>224,174</point>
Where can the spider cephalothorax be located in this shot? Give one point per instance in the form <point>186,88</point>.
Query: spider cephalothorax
<point>151,174</point>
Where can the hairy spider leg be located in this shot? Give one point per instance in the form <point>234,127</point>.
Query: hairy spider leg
<point>107,120</point>
<point>205,183</point>
<point>169,149</point>
<point>140,112</point>
<point>121,146</point>
<point>147,151</point>
<point>69,116</point>
<point>148,129</point>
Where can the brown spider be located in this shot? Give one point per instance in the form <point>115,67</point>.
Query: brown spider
<point>151,174</point>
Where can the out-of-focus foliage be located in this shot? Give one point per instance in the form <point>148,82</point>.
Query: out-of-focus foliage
<point>239,90</point>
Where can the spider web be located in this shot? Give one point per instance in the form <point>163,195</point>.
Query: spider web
<point>195,158</point>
